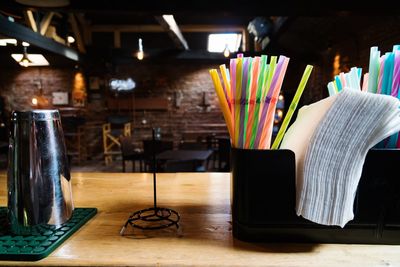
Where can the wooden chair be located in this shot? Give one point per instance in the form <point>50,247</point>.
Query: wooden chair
<point>74,133</point>
<point>212,144</point>
<point>131,153</point>
<point>111,143</point>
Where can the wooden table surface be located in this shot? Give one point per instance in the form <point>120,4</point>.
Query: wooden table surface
<point>205,239</point>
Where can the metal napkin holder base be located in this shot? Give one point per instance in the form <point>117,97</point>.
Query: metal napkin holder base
<point>263,200</point>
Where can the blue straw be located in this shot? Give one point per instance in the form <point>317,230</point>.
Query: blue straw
<point>338,83</point>
<point>387,74</point>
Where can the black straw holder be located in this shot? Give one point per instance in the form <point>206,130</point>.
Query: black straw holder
<point>264,198</point>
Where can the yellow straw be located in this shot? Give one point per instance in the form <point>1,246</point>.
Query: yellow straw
<point>227,84</point>
<point>222,100</point>
<point>292,106</point>
<point>236,102</point>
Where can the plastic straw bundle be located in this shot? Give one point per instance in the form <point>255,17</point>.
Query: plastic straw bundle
<point>248,96</point>
<point>383,78</point>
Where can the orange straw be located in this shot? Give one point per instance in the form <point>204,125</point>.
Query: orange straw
<point>252,100</point>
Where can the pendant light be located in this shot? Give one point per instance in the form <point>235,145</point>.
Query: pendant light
<point>140,53</point>
<point>25,61</point>
<point>226,51</point>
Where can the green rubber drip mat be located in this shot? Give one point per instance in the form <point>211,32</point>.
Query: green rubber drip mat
<point>43,241</point>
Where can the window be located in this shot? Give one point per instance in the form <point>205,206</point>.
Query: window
<point>218,42</point>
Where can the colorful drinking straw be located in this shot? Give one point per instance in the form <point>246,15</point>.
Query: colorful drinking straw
<point>248,97</point>
<point>222,100</point>
<point>292,107</point>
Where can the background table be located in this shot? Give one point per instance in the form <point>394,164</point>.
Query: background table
<point>198,155</point>
<point>190,160</point>
<point>205,238</point>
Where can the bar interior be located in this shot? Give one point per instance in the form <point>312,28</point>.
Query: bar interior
<point>171,133</point>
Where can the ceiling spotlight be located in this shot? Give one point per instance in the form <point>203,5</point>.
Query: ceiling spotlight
<point>5,42</point>
<point>70,39</point>
<point>25,44</point>
<point>24,62</point>
<point>140,53</point>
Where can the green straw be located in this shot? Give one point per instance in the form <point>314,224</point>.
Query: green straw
<point>271,71</point>
<point>331,88</point>
<point>239,66</point>
<point>335,87</point>
<point>260,86</point>
<point>373,69</point>
<point>292,107</point>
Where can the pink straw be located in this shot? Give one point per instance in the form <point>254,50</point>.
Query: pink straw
<point>243,105</point>
<point>233,91</point>
<point>233,77</point>
<point>365,82</point>
<point>381,71</point>
<point>342,80</point>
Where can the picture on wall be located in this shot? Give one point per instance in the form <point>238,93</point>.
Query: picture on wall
<point>94,83</point>
<point>60,98</point>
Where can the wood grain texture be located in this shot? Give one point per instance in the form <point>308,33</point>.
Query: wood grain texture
<point>204,239</point>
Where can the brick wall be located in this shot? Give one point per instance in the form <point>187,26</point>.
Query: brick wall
<point>18,86</point>
<point>185,84</point>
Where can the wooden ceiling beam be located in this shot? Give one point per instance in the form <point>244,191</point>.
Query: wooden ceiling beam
<point>44,24</point>
<point>212,28</point>
<point>30,20</point>
<point>85,26</point>
<point>158,28</point>
<point>75,29</point>
<point>171,27</point>
<point>19,32</point>
<point>183,28</point>
<point>126,28</point>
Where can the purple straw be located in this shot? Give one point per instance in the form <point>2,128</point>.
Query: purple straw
<point>396,75</point>
<point>268,100</point>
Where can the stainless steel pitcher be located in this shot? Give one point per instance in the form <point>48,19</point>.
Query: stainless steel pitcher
<point>39,187</point>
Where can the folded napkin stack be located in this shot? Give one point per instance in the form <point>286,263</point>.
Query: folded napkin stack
<point>333,159</point>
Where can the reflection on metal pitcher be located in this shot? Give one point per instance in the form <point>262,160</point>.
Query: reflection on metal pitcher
<point>39,187</point>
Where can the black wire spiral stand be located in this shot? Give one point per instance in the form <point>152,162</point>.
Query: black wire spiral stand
<point>153,218</point>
